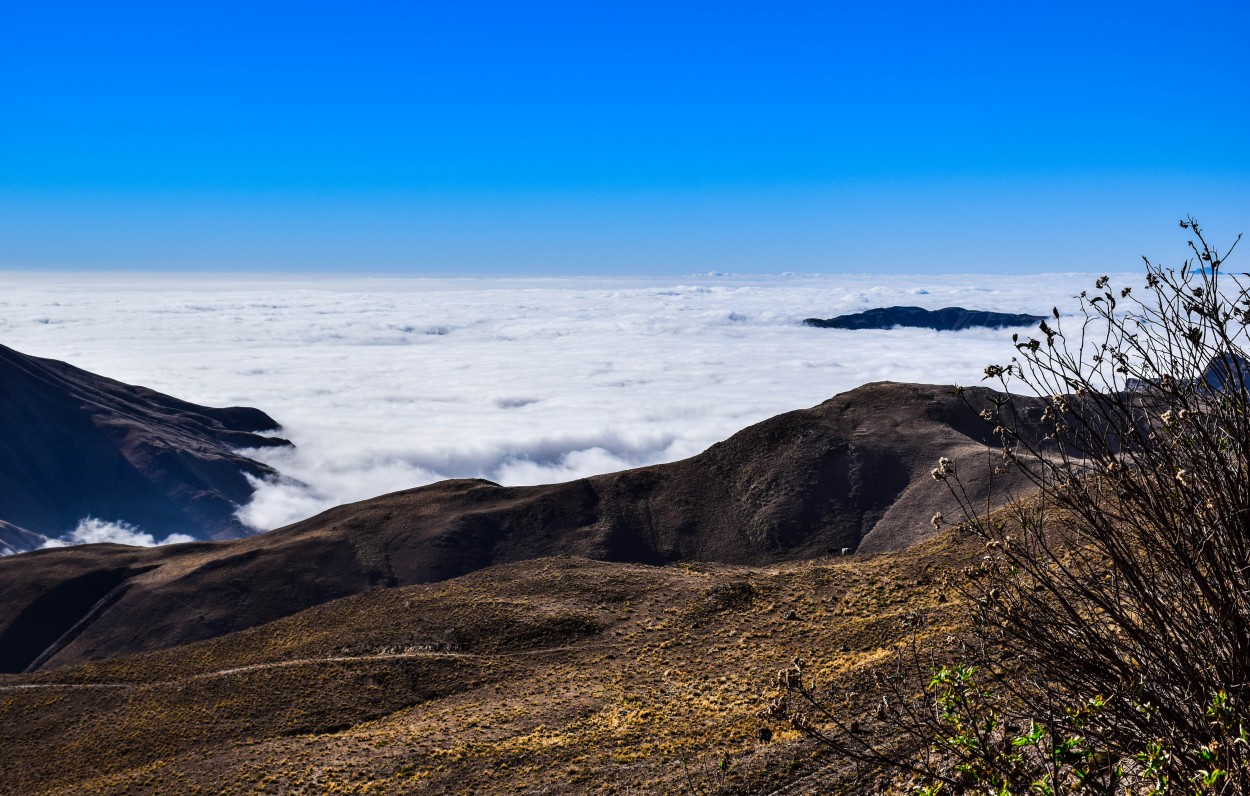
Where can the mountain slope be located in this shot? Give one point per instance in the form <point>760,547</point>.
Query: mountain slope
<point>851,473</point>
<point>550,676</point>
<point>74,445</point>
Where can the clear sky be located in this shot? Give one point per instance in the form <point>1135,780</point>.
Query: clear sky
<point>618,137</point>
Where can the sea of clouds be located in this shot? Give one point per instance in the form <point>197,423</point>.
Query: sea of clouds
<point>389,383</point>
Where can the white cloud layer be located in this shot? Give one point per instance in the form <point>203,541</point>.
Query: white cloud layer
<point>91,530</point>
<point>391,383</point>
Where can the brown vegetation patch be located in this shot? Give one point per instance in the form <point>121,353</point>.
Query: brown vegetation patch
<point>551,676</point>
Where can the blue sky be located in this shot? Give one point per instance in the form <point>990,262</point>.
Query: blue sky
<point>623,138</point>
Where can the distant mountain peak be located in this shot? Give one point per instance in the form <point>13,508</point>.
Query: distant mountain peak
<point>948,319</point>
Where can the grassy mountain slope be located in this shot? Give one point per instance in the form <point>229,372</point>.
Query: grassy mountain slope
<point>555,675</point>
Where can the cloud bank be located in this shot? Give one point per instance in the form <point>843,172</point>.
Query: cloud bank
<point>92,530</point>
<point>387,384</point>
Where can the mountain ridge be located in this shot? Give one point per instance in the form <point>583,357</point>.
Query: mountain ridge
<point>74,445</point>
<point>947,319</point>
<point>851,472</point>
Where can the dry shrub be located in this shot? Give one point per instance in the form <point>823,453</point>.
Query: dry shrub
<point>1110,615</point>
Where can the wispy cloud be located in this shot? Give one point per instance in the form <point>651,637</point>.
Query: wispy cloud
<point>92,531</point>
<point>386,384</point>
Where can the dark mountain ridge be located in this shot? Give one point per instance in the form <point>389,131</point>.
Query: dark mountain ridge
<point>76,445</point>
<point>850,473</point>
<point>948,319</point>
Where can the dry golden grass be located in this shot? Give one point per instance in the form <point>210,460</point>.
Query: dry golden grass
<point>558,675</point>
